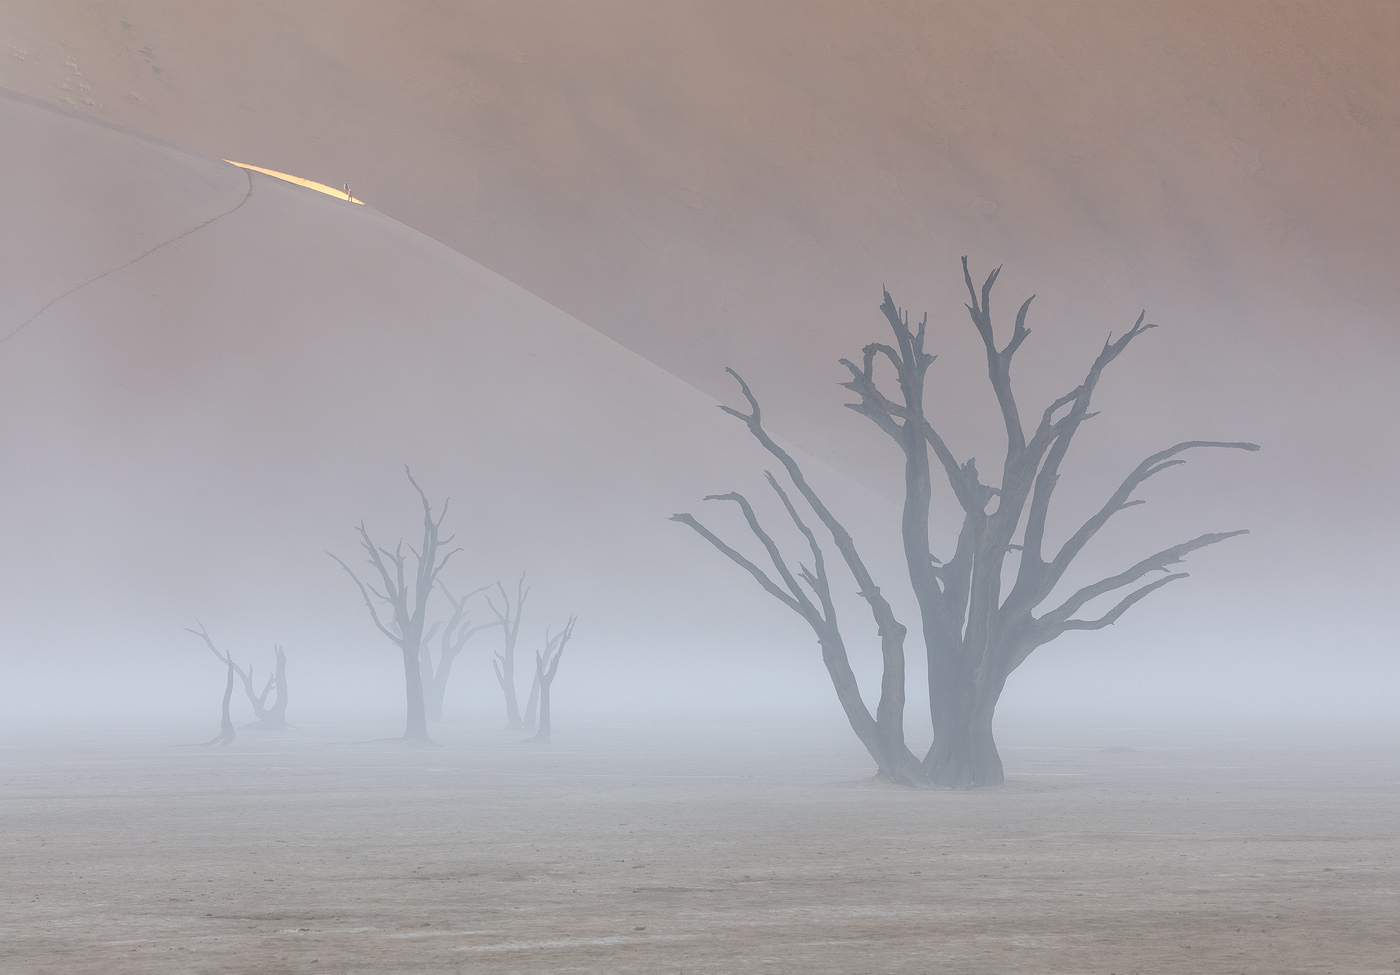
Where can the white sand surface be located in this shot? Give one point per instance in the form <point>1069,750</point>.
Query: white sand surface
<point>690,849</point>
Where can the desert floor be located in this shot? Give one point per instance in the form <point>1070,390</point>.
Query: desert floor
<point>690,850</point>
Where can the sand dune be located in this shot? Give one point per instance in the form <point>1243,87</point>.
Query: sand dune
<point>201,400</point>
<point>704,182</point>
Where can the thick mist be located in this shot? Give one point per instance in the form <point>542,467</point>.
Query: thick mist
<point>192,432</point>
<point>576,217</point>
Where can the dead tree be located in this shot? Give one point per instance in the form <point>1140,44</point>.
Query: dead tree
<point>546,666</point>
<point>407,598</point>
<point>454,636</point>
<point>226,731</point>
<point>504,663</point>
<point>974,635</point>
<point>270,716</point>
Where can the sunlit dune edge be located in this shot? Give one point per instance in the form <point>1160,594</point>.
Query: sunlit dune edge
<point>308,183</point>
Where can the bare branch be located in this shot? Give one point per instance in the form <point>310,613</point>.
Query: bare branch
<point>454,600</point>
<point>1111,617</point>
<point>769,545</point>
<point>374,614</point>
<point>769,586</point>
<point>547,664</point>
<point>1120,499</point>
<point>1157,562</point>
<point>1061,434</point>
<point>999,361</point>
<point>884,614</point>
<point>203,634</point>
<point>438,568</point>
<point>459,628</point>
<point>878,407</point>
<point>817,579</point>
<point>1020,333</point>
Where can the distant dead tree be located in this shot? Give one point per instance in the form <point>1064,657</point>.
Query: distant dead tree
<point>454,636</point>
<point>226,730</point>
<point>546,666</point>
<point>270,716</point>
<point>407,598</point>
<point>974,634</point>
<point>508,619</point>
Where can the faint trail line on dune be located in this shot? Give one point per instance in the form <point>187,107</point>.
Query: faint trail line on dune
<point>139,257</point>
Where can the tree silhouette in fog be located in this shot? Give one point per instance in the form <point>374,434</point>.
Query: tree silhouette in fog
<point>508,618</point>
<point>227,733</point>
<point>406,592</point>
<point>270,716</point>
<point>974,634</point>
<point>546,666</point>
<point>454,635</point>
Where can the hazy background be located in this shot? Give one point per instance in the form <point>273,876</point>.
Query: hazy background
<point>703,185</point>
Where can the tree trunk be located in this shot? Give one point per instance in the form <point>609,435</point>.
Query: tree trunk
<point>417,726</point>
<point>892,756</point>
<point>505,673</point>
<point>276,717</point>
<point>532,706</point>
<point>434,691</point>
<point>542,735</point>
<point>226,730</point>
<point>964,753</point>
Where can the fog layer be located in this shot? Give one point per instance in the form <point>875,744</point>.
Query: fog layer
<point>707,185</point>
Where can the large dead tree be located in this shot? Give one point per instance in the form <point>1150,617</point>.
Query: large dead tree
<point>974,633</point>
<point>270,716</point>
<point>508,618</point>
<point>453,636</point>
<point>546,666</point>
<point>405,592</point>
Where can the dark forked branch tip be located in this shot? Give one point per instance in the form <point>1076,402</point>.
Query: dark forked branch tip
<point>734,496</point>
<point>748,395</point>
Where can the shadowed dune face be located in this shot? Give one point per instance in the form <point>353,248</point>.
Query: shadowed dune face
<point>721,184</point>
<point>715,184</point>
<point>700,180</point>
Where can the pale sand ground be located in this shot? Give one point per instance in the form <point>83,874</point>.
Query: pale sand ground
<point>629,852</point>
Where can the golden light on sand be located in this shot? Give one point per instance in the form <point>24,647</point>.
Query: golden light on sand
<point>308,183</point>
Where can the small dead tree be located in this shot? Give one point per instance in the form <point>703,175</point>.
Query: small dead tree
<point>406,594</point>
<point>226,730</point>
<point>454,636</point>
<point>508,619</point>
<point>272,716</point>
<point>546,666</point>
<point>974,634</point>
